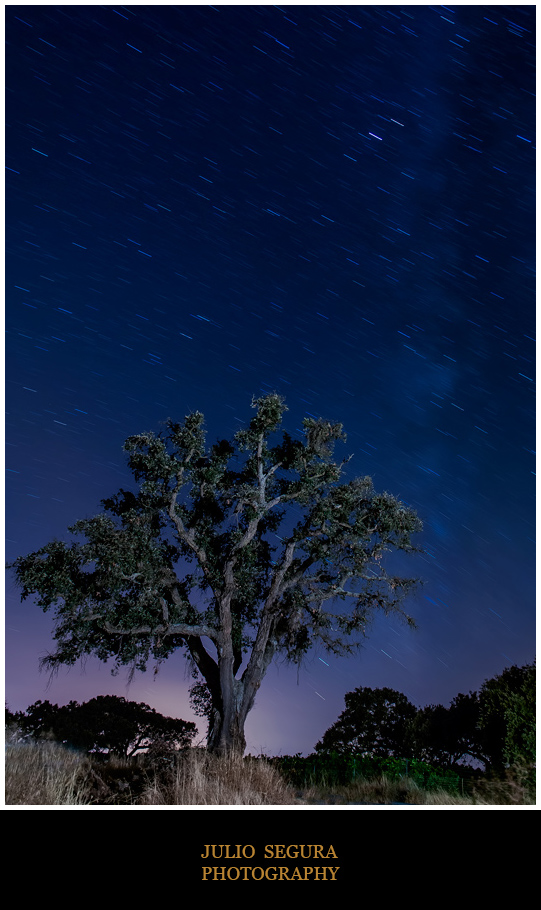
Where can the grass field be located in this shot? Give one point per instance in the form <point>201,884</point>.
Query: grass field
<point>45,773</point>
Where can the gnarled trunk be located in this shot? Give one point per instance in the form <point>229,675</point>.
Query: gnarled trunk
<point>232,698</point>
<point>226,734</point>
<point>229,713</point>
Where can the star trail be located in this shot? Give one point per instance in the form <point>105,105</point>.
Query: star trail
<point>208,203</point>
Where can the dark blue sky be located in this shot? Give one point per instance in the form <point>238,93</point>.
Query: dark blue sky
<point>204,204</point>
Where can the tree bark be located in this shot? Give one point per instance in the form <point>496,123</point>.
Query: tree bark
<point>226,734</point>
<point>236,699</point>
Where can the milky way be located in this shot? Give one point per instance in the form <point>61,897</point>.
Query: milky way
<point>204,204</point>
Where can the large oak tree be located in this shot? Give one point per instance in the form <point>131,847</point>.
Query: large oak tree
<point>234,553</point>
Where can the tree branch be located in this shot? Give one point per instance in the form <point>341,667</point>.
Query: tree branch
<point>257,657</point>
<point>179,628</point>
<point>188,537</point>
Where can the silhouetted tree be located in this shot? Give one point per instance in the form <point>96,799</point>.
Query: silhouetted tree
<point>12,718</point>
<point>108,723</point>
<point>375,722</point>
<point>495,726</point>
<point>44,719</point>
<point>284,555</point>
<point>446,735</point>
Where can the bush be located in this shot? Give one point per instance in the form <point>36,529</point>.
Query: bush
<point>334,768</point>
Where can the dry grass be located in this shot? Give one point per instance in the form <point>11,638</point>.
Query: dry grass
<point>201,779</point>
<point>381,791</point>
<point>516,789</point>
<point>512,791</point>
<point>44,774</point>
<point>47,774</point>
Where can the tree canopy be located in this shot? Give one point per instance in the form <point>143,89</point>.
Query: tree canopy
<point>446,735</point>
<point>374,722</point>
<point>108,723</point>
<point>495,726</point>
<point>507,714</point>
<point>233,553</point>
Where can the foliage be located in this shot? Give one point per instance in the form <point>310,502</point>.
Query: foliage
<point>507,717</point>
<point>375,721</point>
<point>339,768</point>
<point>108,724</point>
<point>12,718</point>
<point>258,549</point>
<point>447,735</point>
<point>495,726</point>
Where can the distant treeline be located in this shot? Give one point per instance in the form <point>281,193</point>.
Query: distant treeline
<point>380,731</point>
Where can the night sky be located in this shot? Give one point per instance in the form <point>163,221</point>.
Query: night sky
<point>205,204</point>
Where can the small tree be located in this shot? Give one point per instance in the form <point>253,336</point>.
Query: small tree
<point>284,554</point>
<point>374,722</point>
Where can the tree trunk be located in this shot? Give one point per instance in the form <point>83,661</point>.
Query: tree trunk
<point>226,723</point>
<point>228,717</point>
<point>226,735</point>
<point>232,698</point>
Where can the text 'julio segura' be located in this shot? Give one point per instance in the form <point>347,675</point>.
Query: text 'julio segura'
<point>269,873</point>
